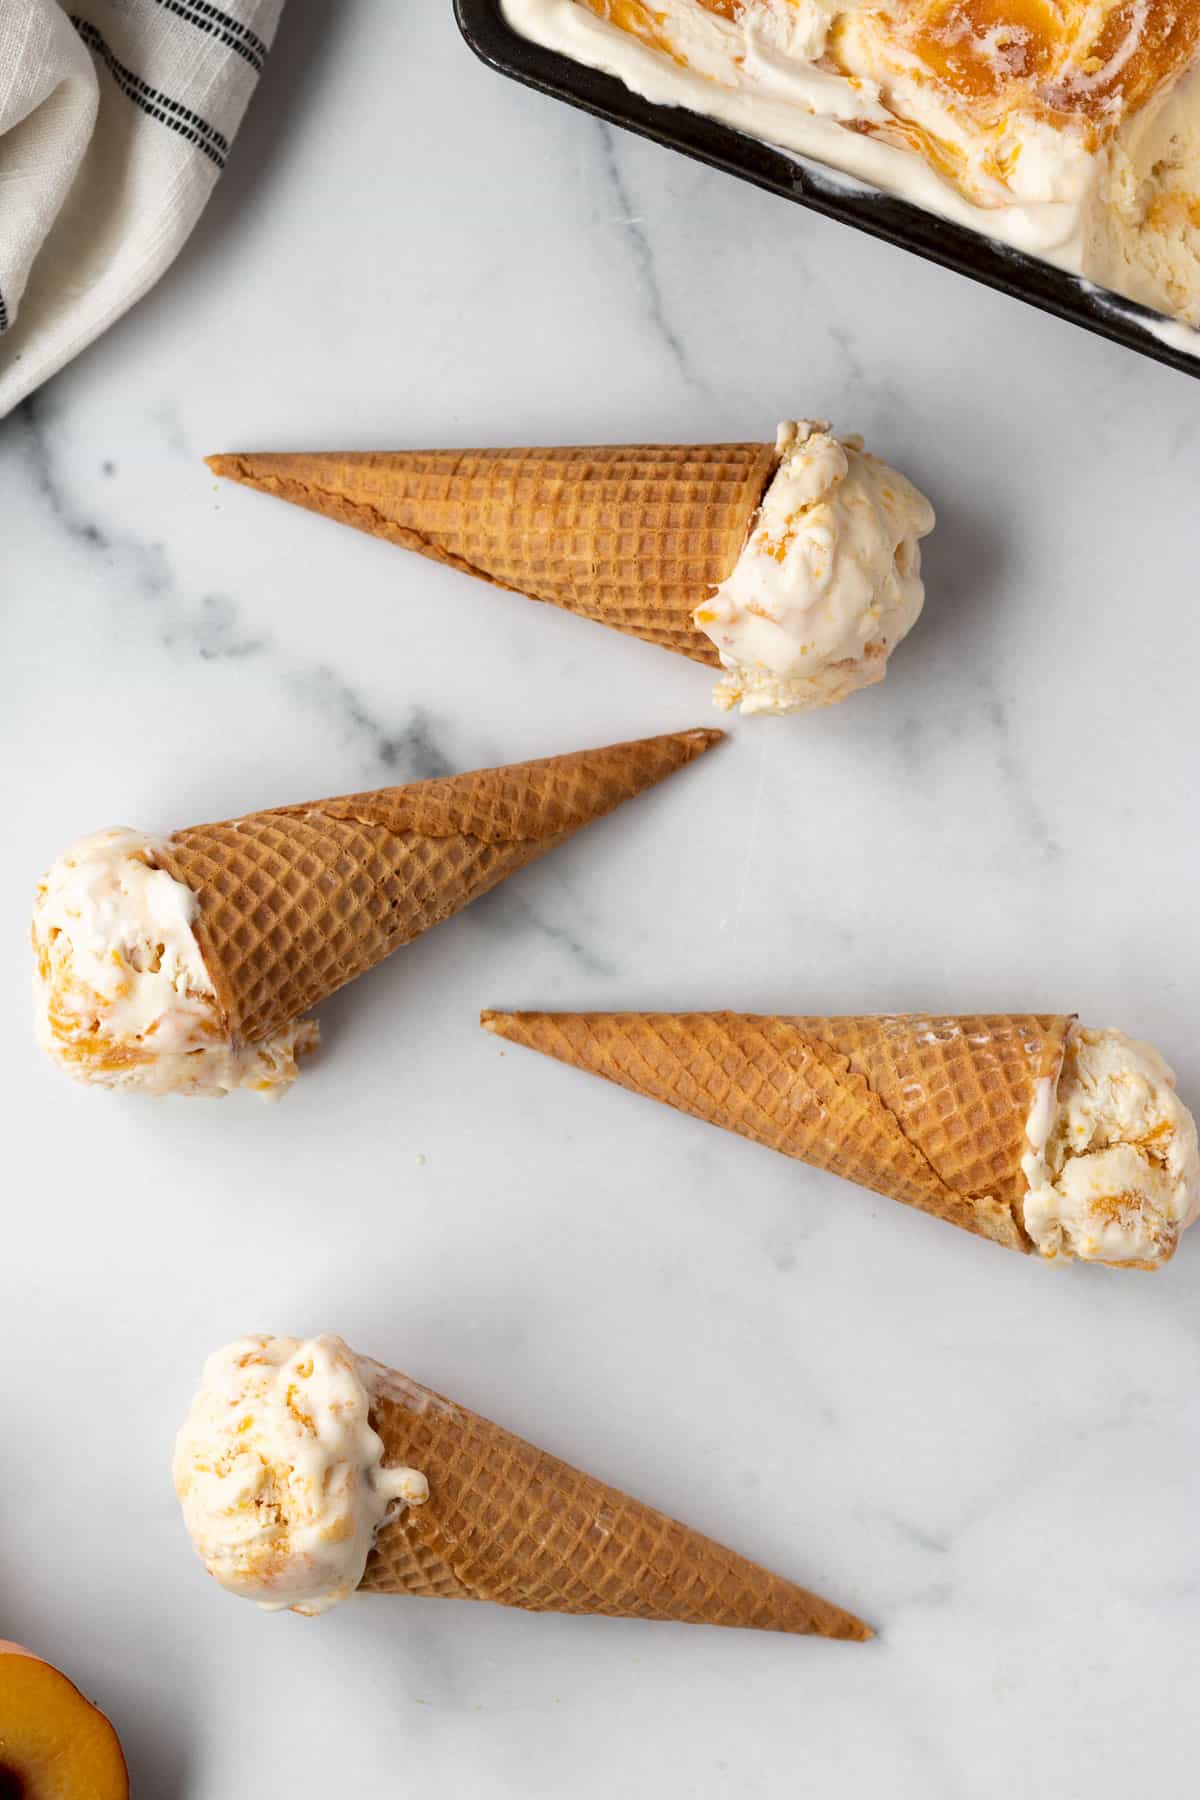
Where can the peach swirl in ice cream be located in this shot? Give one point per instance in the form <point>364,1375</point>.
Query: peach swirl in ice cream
<point>122,996</point>
<point>829,579</point>
<point>1113,1165</point>
<point>1067,128</point>
<point>280,1474</point>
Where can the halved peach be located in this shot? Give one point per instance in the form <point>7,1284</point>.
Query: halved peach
<point>54,1744</point>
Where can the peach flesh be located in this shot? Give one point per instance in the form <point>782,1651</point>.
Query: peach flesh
<point>54,1744</point>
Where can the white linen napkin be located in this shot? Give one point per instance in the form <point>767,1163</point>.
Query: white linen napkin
<point>116,118</point>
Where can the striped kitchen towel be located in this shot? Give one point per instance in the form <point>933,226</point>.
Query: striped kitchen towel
<point>116,118</point>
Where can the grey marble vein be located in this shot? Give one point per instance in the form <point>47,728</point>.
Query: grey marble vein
<point>851,359</point>
<point>908,740</point>
<point>39,470</point>
<point>509,907</point>
<point>208,625</point>
<point>645,261</point>
<point>1183,437</point>
<point>906,1531</point>
<point>406,751</point>
<point>1041,1464</point>
<point>1028,813</point>
<point>212,630</point>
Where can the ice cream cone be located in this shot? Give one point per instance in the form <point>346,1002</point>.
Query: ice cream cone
<point>508,1523</point>
<point>296,901</point>
<point>929,1111</point>
<point>633,536</point>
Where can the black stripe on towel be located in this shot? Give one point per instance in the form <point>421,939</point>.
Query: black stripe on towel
<point>158,106</point>
<point>3,314</point>
<point>221,25</point>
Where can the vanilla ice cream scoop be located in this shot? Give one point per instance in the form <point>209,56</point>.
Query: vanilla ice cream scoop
<point>829,580</point>
<point>280,1474</point>
<point>1113,1165</point>
<point>122,997</point>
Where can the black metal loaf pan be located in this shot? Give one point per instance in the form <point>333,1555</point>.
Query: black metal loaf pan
<point>489,34</point>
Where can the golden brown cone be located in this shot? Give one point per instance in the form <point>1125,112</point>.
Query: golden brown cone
<point>298,900</point>
<point>508,1523</point>
<point>927,1110</point>
<point>634,536</point>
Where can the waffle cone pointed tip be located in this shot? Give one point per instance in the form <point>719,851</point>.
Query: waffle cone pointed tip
<point>631,536</point>
<point>508,1523</point>
<point>298,900</point>
<point>702,737</point>
<point>928,1110</point>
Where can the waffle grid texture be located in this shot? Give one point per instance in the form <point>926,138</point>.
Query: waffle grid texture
<point>633,536</point>
<point>927,1110</point>
<point>508,1523</point>
<point>299,900</point>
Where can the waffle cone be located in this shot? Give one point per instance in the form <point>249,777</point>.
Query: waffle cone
<point>633,536</point>
<point>508,1523</point>
<point>929,1111</point>
<point>297,901</point>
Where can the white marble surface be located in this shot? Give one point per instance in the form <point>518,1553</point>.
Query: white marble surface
<point>993,1461</point>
